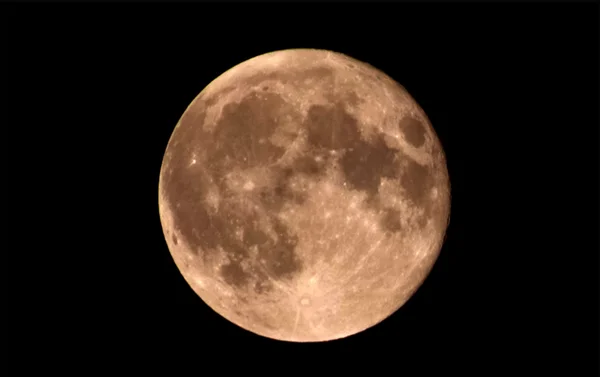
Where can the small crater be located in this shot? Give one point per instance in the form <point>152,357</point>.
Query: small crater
<point>238,312</point>
<point>174,238</point>
<point>413,131</point>
<point>305,301</point>
<point>263,285</point>
<point>255,236</point>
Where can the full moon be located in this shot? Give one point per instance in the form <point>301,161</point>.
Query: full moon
<point>304,195</point>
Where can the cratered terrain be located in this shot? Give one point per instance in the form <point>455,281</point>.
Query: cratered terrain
<point>304,195</point>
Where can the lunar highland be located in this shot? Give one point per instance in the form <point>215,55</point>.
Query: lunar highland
<point>304,195</point>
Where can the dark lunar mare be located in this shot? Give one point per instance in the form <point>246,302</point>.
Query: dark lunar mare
<point>413,130</point>
<point>236,143</point>
<point>364,163</point>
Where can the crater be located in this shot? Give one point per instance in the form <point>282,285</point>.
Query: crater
<point>413,130</point>
<point>262,284</point>
<point>305,301</point>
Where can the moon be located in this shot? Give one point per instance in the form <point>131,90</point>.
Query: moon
<point>304,195</point>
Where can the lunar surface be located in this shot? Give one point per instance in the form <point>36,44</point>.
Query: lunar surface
<point>304,195</point>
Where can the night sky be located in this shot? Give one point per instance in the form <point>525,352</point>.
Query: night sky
<point>95,92</point>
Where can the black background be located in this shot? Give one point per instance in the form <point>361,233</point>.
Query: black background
<point>95,91</point>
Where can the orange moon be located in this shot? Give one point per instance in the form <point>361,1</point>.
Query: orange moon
<point>304,195</point>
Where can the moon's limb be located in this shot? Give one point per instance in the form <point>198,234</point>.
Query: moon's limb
<point>304,195</point>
